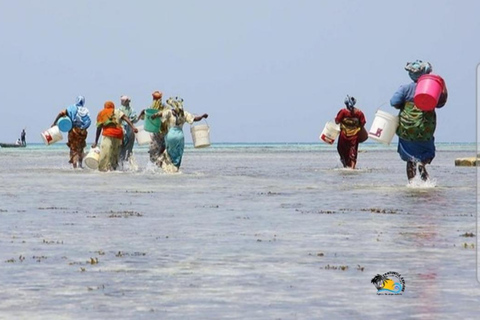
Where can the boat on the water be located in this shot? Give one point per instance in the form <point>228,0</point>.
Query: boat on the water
<point>12,145</point>
<point>21,142</point>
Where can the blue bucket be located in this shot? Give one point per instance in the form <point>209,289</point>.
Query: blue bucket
<point>64,124</point>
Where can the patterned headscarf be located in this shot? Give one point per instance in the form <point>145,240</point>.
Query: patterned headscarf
<point>177,107</point>
<point>350,102</point>
<point>175,103</point>
<point>418,68</point>
<point>157,101</point>
<point>80,101</point>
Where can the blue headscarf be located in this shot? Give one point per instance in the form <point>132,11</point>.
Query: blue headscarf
<point>79,115</point>
<point>80,102</point>
<point>418,68</point>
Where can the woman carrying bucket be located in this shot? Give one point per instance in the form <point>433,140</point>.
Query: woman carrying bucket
<point>109,120</point>
<point>417,120</point>
<point>175,117</point>
<point>352,121</point>
<point>157,145</point>
<point>80,121</point>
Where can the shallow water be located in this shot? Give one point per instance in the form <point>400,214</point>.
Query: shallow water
<point>263,231</point>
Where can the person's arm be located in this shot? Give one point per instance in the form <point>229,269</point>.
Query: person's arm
<point>398,99</point>
<point>61,114</point>
<point>141,115</point>
<point>156,115</point>
<point>125,118</point>
<point>339,116</point>
<point>97,136</point>
<point>133,116</point>
<point>363,121</point>
<point>198,118</point>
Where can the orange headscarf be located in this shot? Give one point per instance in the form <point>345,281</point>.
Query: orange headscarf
<point>106,118</point>
<point>107,112</point>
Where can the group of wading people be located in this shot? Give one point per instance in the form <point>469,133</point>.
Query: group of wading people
<point>117,128</point>
<point>416,142</point>
<point>416,145</point>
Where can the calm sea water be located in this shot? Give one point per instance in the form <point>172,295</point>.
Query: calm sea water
<point>246,231</point>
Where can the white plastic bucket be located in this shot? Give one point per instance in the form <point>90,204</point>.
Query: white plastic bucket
<point>91,160</point>
<point>200,135</point>
<point>330,132</point>
<point>142,136</point>
<point>52,135</point>
<point>383,127</point>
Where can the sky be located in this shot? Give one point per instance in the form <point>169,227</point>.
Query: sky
<point>264,70</point>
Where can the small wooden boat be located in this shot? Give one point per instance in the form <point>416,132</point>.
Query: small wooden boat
<point>11,145</point>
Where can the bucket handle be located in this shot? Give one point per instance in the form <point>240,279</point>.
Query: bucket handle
<point>384,103</point>
<point>199,121</point>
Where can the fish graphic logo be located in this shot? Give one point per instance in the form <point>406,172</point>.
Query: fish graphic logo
<point>390,283</point>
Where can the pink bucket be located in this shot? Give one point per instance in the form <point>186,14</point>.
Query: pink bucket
<point>428,91</point>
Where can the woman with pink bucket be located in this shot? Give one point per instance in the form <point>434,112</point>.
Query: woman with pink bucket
<point>417,118</point>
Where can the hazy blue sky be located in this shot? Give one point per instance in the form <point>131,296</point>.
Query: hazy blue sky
<point>265,71</point>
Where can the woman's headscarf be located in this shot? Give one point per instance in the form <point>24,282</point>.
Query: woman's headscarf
<point>170,102</point>
<point>107,112</point>
<point>176,104</point>
<point>157,101</point>
<point>418,68</point>
<point>157,105</point>
<point>350,102</point>
<point>81,110</point>
<point>80,101</point>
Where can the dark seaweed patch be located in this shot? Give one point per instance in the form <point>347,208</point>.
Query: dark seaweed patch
<point>138,191</point>
<point>124,214</point>
<point>468,234</point>
<point>316,211</point>
<point>133,254</point>
<point>383,211</point>
<point>329,267</point>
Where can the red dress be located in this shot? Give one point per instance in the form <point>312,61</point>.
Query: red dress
<point>351,123</point>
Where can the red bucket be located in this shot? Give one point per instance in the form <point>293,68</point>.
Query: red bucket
<point>428,91</point>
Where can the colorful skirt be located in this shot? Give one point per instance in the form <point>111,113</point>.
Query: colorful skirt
<point>77,142</point>
<point>157,148</point>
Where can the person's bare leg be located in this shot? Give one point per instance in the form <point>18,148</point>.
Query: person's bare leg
<point>423,171</point>
<point>411,170</point>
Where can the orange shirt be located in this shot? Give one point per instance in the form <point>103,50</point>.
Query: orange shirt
<point>113,126</point>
